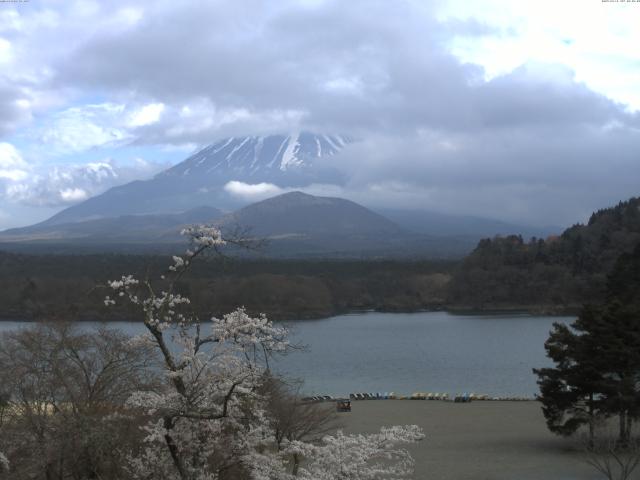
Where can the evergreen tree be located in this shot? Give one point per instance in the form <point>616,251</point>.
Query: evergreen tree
<point>570,392</point>
<point>618,331</point>
<point>597,359</point>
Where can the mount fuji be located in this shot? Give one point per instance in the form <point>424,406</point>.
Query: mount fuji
<point>150,213</point>
<point>288,161</point>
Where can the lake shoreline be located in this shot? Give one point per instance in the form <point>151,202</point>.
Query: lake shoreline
<point>537,310</point>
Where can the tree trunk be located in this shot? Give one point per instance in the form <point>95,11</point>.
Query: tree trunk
<point>173,448</point>
<point>296,464</point>
<point>48,472</point>
<point>592,421</point>
<point>624,432</point>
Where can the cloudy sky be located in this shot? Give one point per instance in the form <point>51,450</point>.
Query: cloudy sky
<point>523,111</point>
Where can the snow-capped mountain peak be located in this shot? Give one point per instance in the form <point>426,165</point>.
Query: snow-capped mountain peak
<point>259,156</point>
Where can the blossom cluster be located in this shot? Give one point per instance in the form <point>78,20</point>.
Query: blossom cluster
<point>4,463</point>
<point>361,456</point>
<point>204,235</point>
<point>125,282</point>
<point>249,331</point>
<point>160,310</point>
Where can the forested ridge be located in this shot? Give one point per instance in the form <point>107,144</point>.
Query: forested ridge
<point>69,286</point>
<point>555,274</point>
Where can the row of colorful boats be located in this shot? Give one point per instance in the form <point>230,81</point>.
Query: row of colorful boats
<point>459,398</point>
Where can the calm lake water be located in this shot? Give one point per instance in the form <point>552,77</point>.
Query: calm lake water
<point>405,353</point>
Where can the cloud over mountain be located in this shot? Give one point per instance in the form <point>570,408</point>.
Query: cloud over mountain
<point>252,191</point>
<point>444,124</point>
<point>65,185</point>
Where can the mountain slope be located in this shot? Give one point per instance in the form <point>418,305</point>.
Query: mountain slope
<point>286,160</point>
<point>127,228</point>
<point>297,214</point>
<point>299,225</point>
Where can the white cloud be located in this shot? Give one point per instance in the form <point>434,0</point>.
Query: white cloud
<point>5,51</point>
<point>73,195</point>
<point>128,16</point>
<point>201,121</point>
<point>62,185</point>
<point>84,127</point>
<point>9,20</point>
<point>13,175</point>
<point>9,156</point>
<point>146,115</point>
<point>598,40</point>
<point>12,166</point>
<point>252,192</point>
<point>80,128</point>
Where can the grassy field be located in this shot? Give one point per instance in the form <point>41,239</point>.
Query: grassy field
<point>476,441</point>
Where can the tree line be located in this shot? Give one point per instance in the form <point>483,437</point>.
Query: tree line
<point>556,274</point>
<point>63,286</point>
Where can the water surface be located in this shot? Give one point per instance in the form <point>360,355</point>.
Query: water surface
<point>408,352</point>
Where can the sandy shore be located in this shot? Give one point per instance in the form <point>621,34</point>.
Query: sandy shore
<point>478,440</point>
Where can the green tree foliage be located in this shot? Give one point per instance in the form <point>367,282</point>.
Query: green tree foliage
<point>559,273</point>
<point>570,392</point>
<point>597,360</point>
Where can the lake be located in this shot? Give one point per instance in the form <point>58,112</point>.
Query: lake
<point>409,352</point>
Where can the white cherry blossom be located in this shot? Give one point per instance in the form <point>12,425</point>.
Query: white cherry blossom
<point>210,415</point>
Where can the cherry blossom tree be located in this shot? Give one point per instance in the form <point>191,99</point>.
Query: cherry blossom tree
<point>374,456</point>
<point>211,421</point>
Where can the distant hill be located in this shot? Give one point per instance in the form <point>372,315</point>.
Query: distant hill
<point>294,216</point>
<point>298,214</point>
<point>557,273</point>
<point>295,225</point>
<point>126,228</point>
<point>440,224</point>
